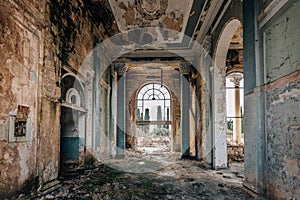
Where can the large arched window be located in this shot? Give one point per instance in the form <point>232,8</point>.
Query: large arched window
<point>153,118</point>
<point>153,103</point>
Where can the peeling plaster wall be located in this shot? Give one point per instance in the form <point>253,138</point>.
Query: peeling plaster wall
<point>48,142</point>
<point>105,116</point>
<point>272,100</point>
<point>35,44</point>
<point>203,86</point>
<point>283,141</point>
<point>282,105</point>
<point>198,117</point>
<point>21,57</point>
<point>282,46</point>
<point>74,30</point>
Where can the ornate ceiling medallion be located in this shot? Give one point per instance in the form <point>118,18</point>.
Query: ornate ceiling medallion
<point>150,6</point>
<point>151,9</point>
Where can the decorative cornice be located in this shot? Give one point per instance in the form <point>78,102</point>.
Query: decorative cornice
<point>236,78</point>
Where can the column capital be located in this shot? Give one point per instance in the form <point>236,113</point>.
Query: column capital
<point>120,68</point>
<point>236,78</point>
<point>185,68</point>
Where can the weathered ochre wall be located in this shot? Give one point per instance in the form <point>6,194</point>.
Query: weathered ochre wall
<point>21,58</point>
<point>37,39</point>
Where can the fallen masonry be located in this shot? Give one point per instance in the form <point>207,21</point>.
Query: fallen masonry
<point>141,176</point>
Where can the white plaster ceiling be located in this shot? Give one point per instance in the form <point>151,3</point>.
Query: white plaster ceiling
<point>164,14</point>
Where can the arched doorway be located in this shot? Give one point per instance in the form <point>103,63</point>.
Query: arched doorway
<point>153,122</point>
<point>221,69</point>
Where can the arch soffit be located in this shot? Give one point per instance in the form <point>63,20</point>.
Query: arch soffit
<point>223,43</point>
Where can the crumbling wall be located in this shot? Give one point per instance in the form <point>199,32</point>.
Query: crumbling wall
<point>75,28</point>
<point>37,40</point>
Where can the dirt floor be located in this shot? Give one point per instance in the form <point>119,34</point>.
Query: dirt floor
<point>148,176</point>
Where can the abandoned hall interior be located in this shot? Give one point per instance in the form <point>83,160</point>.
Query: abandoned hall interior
<point>143,88</point>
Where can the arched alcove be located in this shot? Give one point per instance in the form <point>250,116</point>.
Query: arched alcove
<point>72,120</point>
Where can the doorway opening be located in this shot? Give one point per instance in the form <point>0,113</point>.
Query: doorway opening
<point>235,97</point>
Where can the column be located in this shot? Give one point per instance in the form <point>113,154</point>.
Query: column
<point>113,97</point>
<point>218,106</point>
<point>96,107</point>
<point>185,109</point>
<point>121,107</point>
<point>237,121</point>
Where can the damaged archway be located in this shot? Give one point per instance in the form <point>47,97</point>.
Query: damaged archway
<point>223,67</point>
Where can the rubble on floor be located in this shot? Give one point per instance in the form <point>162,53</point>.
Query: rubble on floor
<point>163,177</point>
<point>154,144</point>
<point>235,153</point>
